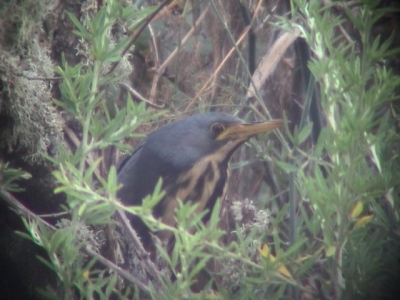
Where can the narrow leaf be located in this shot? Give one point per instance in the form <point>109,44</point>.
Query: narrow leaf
<point>305,132</point>
<point>357,209</point>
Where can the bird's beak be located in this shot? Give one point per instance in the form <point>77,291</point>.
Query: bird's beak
<point>244,131</point>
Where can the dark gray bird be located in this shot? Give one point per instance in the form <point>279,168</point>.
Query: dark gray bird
<point>191,156</point>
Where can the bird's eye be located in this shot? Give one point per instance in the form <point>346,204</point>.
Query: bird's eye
<point>217,128</point>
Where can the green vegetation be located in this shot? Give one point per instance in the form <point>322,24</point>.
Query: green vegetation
<point>336,237</point>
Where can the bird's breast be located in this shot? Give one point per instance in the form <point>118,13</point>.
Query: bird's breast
<point>202,184</point>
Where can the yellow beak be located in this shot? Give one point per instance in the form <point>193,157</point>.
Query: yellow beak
<point>244,131</point>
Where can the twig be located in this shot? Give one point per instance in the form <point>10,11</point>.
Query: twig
<point>21,209</point>
<point>218,69</point>
<point>270,60</point>
<point>137,33</point>
<point>55,215</point>
<point>24,211</point>
<point>140,97</point>
<point>117,269</point>
<point>153,37</point>
<point>241,58</point>
<point>162,68</point>
<point>141,252</point>
<point>40,78</point>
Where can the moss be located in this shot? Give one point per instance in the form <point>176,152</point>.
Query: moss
<point>30,123</point>
<point>20,20</point>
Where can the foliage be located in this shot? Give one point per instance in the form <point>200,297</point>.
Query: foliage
<point>343,235</point>
<point>9,176</point>
<point>345,180</point>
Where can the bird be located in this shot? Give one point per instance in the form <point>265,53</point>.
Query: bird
<point>191,156</point>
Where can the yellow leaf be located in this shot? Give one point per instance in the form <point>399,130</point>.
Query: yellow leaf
<point>86,274</point>
<point>284,271</point>
<point>357,209</point>
<point>330,251</point>
<point>265,252</point>
<point>363,221</point>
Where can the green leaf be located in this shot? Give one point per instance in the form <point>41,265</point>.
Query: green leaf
<point>307,263</point>
<point>241,164</point>
<point>114,55</point>
<point>175,254</point>
<point>214,219</point>
<point>293,249</point>
<point>89,172</point>
<point>82,209</point>
<point>198,267</point>
<point>112,180</point>
<point>391,53</point>
<point>24,235</point>
<point>286,167</point>
<point>286,127</point>
<point>8,176</point>
<point>322,138</point>
<point>150,201</point>
<point>58,238</point>
<point>46,263</point>
<point>82,31</point>
<point>305,132</point>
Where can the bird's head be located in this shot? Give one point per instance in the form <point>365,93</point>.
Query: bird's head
<point>185,142</point>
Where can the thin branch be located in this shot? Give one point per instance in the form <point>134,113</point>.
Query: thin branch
<point>219,68</point>
<point>22,210</point>
<point>174,53</point>
<point>241,58</point>
<point>137,33</point>
<point>124,274</point>
<point>140,97</point>
<point>270,60</point>
<point>140,251</point>
<point>157,55</point>
<point>40,78</point>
